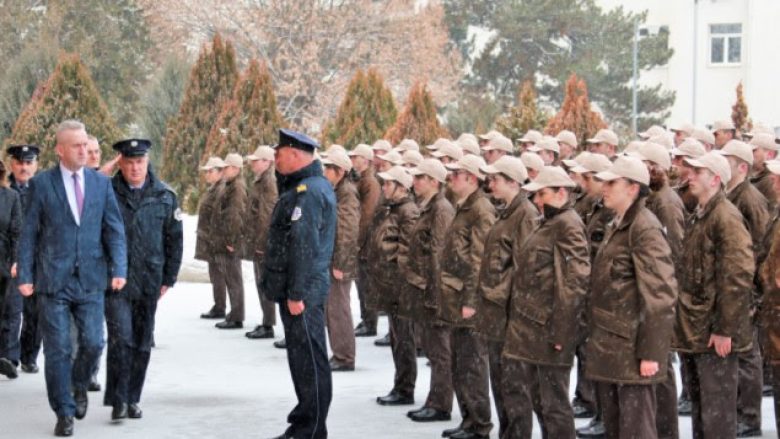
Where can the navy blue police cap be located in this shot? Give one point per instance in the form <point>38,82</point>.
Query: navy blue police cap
<point>132,147</point>
<point>24,153</point>
<point>297,140</point>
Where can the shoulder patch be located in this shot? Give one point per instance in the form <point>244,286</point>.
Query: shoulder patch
<point>296,215</point>
<point>301,188</point>
<point>177,214</point>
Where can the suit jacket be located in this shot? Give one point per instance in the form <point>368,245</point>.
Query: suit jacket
<point>53,247</point>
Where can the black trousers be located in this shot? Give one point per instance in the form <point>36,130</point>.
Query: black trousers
<point>30,338</point>
<point>369,317</point>
<point>751,383</point>
<point>495,347</point>
<point>628,410</point>
<point>712,381</point>
<point>404,353</point>
<point>471,379</point>
<point>667,420</point>
<point>307,356</point>
<point>776,390</point>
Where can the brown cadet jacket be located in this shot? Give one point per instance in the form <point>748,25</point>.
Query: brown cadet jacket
<point>632,302</point>
<point>668,207</point>
<point>548,290</point>
<point>715,278</point>
<point>689,200</point>
<point>388,251</point>
<point>347,226</point>
<point>207,213</point>
<point>369,193</point>
<point>462,258</point>
<point>583,204</point>
<point>514,224</point>
<point>262,199</point>
<point>596,225</point>
<point>229,217</point>
<point>770,272</point>
<point>763,183</point>
<point>423,268</point>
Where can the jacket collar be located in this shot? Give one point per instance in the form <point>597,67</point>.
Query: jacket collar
<point>286,182</point>
<point>703,211</point>
<point>738,190</point>
<point>152,183</point>
<point>470,200</point>
<point>509,209</point>
<point>551,212</point>
<point>631,213</point>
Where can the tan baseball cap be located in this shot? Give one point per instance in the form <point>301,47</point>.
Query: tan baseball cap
<point>234,159</point>
<point>438,144</point>
<point>765,141</point>
<point>653,152</point>
<point>382,145</point>
<point>500,143</point>
<point>759,128</point>
<point>448,149</point>
<point>411,157</point>
<point>335,147</point>
<point>571,163</point>
<point>399,174</point>
<point>468,145</point>
<point>408,145</point>
<point>262,152</point>
<point>591,163</point>
<point>392,157</point>
<point>547,143</point>
<point>605,136</point>
<point>633,146</point>
<point>722,124</point>
<point>532,136</point>
<point>716,163</point>
<point>631,168</point>
<point>664,140</point>
<point>704,136</point>
<point>683,128</point>
<point>432,168</point>
<point>489,135</point>
<point>550,176</point>
<point>531,160</point>
<point>567,137</point>
<point>510,166</point>
<point>470,163</point>
<point>689,147</point>
<point>213,163</point>
<point>738,149</point>
<point>338,158</point>
<point>467,136</point>
<point>773,166</point>
<point>655,130</point>
<point>362,150</point>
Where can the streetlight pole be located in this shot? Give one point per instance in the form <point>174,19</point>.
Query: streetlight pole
<point>695,59</point>
<point>634,103</point>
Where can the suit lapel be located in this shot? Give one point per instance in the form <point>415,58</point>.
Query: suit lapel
<point>59,189</point>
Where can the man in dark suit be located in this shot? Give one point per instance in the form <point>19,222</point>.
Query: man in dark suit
<point>72,241</point>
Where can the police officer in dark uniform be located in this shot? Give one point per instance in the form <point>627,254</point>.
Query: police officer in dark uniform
<point>297,276</point>
<point>154,251</point>
<point>20,312</point>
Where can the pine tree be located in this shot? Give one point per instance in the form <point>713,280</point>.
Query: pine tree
<point>69,93</point>
<point>418,119</point>
<point>575,114</point>
<point>210,85</point>
<point>524,115</point>
<point>365,114</point>
<point>739,112</point>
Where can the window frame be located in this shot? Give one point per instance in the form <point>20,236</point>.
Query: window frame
<point>727,38</point>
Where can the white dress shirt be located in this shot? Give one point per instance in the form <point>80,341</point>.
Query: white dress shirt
<point>70,190</point>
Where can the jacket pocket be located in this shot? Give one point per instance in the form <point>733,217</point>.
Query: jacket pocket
<point>535,313</point>
<point>451,281</point>
<point>612,324</point>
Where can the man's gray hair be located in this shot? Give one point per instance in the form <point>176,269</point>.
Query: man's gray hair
<point>70,125</point>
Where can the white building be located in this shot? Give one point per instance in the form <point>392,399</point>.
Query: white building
<point>717,44</point>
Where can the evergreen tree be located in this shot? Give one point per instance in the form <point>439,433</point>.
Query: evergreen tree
<point>69,93</point>
<point>365,114</point>
<point>210,85</point>
<point>524,115</point>
<point>418,119</point>
<point>739,112</point>
<point>575,114</point>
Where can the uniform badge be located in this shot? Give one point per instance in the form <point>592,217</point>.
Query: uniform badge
<point>177,214</point>
<point>296,215</point>
<point>301,188</point>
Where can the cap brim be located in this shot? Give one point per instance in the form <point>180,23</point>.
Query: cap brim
<point>453,166</point>
<point>415,171</point>
<point>594,140</point>
<point>694,163</point>
<point>773,166</point>
<point>438,154</point>
<point>533,187</point>
<point>570,163</point>
<point>489,169</point>
<point>578,169</point>
<point>534,148</point>
<point>607,176</point>
<point>385,176</point>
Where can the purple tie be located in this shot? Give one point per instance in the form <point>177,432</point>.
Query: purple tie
<point>79,194</point>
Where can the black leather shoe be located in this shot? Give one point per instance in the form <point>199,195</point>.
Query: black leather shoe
<point>594,429</point>
<point>463,434</point>
<point>428,414</point>
<point>8,369</point>
<point>411,412</point>
<point>450,431</point>
<point>119,412</point>
<point>94,385</point>
<point>213,315</point>
<point>684,407</point>
<point>743,430</point>
<point>80,396</point>
<point>335,366</point>
<point>284,436</point>
<point>281,344</point>
<point>582,412</point>
<point>394,398</point>
<point>384,341</point>
<point>64,426</point>
<point>229,325</point>
<point>261,332</point>
<point>364,331</point>
<point>30,368</point>
<point>134,412</point>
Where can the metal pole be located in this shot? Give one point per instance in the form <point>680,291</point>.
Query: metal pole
<point>634,103</point>
<point>695,59</point>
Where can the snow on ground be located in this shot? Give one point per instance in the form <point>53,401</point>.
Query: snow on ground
<point>210,383</point>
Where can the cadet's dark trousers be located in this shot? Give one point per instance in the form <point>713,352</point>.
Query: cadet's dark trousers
<point>404,355</point>
<point>470,377</point>
<point>712,381</point>
<point>307,356</point>
<point>544,390</point>
<point>585,392</point>
<point>436,343</point>
<point>341,332</point>
<point>667,420</point>
<point>628,410</point>
<point>230,277</point>
<point>218,287</point>
<point>495,347</point>
<point>63,374</point>
<point>130,325</point>
<point>363,282</point>
<point>776,391</point>
<point>750,387</point>
<point>31,337</point>
<point>267,306</point>
<point>11,321</point>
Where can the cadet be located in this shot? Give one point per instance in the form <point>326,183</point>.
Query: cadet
<point>297,276</point>
<point>338,312</point>
<point>206,230</point>
<point>262,199</point>
<point>517,218</point>
<point>715,277</point>
<point>153,231</point>
<point>547,299</point>
<point>10,226</point>
<point>724,131</point>
<point>764,148</point>
<point>462,256</point>
<point>496,147</point>
<point>604,142</point>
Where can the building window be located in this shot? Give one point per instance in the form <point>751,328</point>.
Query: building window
<point>726,43</point>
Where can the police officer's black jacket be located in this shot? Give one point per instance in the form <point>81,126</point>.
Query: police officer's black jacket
<point>154,235</point>
<point>300,242</point>
<point>21,190</point>
<point>10,227</point>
